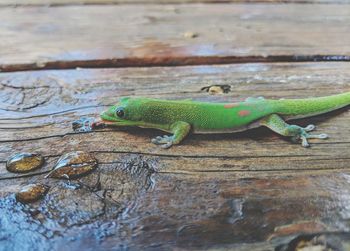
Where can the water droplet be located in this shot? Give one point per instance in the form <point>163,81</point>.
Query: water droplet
<point>73,165</point>
<point>24,162</point>
<point>31,193</point>
<point>84,124</point>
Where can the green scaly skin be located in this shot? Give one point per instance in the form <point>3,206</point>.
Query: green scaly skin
<point>184,116</point>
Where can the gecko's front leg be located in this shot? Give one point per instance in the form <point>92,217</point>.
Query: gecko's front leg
<point>179,129</point>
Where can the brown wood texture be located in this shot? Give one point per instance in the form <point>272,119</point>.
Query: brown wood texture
<point>246,191</point>
<point>150,35</point>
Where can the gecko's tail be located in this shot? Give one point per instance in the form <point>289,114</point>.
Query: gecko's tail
<point>299,108</point>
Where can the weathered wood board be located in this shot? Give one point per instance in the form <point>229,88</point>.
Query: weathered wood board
<point>129,35</point>
<point>247,191</point>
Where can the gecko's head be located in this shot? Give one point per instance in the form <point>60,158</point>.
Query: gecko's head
<point>124,113</point>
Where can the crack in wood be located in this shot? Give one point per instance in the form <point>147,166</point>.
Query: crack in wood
<point>24,175</point>
<point>26,127</point>
<point>255,171</point>
<point>54,113</point>
<point>28,87</point>
<point>170,61</point>
<point>26,98</point>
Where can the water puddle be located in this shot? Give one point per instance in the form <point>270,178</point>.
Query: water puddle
<point>84,124</point>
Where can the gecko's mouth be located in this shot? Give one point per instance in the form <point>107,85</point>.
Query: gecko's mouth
<point>108,122</point>
<point>117,122</point>
<point>114,122</point>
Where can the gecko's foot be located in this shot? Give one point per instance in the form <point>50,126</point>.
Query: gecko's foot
<point>301,134</point>
<point>165,141</point>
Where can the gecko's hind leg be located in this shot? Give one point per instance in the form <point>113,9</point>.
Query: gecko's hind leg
<point>297,133</point>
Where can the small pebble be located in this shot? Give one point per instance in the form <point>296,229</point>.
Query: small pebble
<point>73,165</point>
<point>217,89</point>
<point>190,34</point>
<point>31,193</point>
<point>24,162</point>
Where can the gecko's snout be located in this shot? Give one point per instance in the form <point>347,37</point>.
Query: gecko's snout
<point>106,115</point>
<point>103,114</point>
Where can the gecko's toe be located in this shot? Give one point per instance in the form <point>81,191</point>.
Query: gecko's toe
<point>305,136</point>
<point>310,128</point>
<point>157,141</point>
<point>304,142</point>
<point>317,136</point>
<point>154,141</point>
<point>165,141</point>
<point>323,136</point>
<point>167,145</point>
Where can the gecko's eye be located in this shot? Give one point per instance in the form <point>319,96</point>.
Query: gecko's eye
<point>119,112</point>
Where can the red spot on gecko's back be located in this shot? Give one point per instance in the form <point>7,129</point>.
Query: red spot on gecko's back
<point>243,113</point>
<point>231,105</point>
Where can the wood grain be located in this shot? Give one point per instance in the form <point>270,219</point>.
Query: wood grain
<point>247,191</point>
<point>155,35</point>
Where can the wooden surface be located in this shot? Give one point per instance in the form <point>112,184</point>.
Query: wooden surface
<point>128,35</point>
<point>248,191</point>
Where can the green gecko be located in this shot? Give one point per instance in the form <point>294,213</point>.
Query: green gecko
<point>185,116</point>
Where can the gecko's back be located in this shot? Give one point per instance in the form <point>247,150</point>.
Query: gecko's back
<point>203,117</point>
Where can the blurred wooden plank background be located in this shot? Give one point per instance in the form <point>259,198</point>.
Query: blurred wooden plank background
<point>129,35</point>
<point>246,191</point>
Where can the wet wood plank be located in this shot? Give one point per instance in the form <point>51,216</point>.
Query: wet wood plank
<point>247,191</point>
<point>97,35</point>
